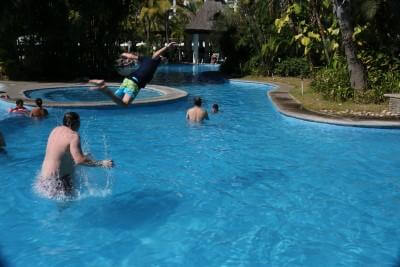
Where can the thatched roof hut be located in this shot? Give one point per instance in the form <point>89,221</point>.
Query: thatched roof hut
<point>203,21</point>
<point>198,30</point>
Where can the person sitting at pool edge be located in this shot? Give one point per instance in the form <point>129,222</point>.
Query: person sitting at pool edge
<point>135,81</point>
<point>63,153</point>
<point>197,113</point>
<point>215,108</point>
<point>39,112</point>
<point>19,108</point>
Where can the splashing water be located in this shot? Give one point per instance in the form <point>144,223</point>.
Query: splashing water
<point>94,185</point>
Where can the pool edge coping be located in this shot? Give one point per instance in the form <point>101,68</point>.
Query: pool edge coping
<point>288,106</point>
<point>17,89</point>
<point>280,96</point>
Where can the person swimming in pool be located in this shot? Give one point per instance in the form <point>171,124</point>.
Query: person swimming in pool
<point>196,113</point>
<point>63,153</point>
<point>215,108</point>
<point>39,112</point>
<point>136,80</point>
<point>19,108</point>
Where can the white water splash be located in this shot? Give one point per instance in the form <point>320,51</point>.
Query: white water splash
<point>87,187</point>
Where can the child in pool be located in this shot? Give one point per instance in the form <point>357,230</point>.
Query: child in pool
<point>19,108</point>
<point>136,80</point>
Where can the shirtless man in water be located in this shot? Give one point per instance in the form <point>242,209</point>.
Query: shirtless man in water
<point>197,113</point>
<point>63,152</point>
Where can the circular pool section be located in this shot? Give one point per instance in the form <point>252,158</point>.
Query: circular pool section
<point>82,94</point>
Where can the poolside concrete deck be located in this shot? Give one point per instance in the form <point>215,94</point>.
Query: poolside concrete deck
<point>16,89</point>
<point>287,105</point>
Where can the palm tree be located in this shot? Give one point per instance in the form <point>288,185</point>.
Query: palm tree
<point>152,10</point>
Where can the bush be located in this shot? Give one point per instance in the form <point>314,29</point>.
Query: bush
<point>293,67</point>
<point>367,97</point>
<point>256,66</point>
<point>333,84</point>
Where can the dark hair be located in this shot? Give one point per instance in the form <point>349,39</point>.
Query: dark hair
<point>70,119</point>
<point>197,101</point>
<point>19,102</point>
<point>39,102</point>
<point>215,106</point>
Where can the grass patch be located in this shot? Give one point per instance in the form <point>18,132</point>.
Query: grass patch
<point>315,101</point>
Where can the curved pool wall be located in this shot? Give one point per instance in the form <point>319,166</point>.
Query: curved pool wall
<point>81,94</point>
<point>162,95</point>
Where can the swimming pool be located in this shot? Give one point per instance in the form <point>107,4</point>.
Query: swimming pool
<point>81,93</point>
<point>247,188</point>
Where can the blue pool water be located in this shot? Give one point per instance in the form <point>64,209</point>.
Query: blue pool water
<point>249,187</point>
<point>72,94</point>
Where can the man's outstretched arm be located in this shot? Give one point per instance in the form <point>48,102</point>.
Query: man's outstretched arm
<point>81,159</point>
<point>162,50</point>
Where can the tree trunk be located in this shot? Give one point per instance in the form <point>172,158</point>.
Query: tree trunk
<point>166,27</point>
<point>357,71</point>
<point>316,18</point>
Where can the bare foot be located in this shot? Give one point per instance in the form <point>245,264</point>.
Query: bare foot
<point>99,84</point>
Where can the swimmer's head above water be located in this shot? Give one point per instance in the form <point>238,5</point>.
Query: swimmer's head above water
<point>197,101</point>
<point>71,120</point>
<point>39,102</point>
<point>19,102</point>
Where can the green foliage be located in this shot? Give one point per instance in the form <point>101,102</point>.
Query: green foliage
<point>382,82</point>
<point>333,84</point>
<point>236,56</point>
<point>312,27</point>
<point>63,39</point>
<point>293,67</point>
<point>59,39</point>
<point>379,60</point>
<point>252,45</point>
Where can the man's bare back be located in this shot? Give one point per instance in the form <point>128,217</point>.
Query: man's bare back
<point>59,161</point>
<point>39,112</point>
<point>196,114</point>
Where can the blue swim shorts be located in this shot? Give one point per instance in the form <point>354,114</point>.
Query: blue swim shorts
<point>128,87</point>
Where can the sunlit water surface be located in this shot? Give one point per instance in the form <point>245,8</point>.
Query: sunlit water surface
<point>249,187</point>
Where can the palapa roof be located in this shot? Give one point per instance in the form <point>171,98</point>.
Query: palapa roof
<point>203,21</point>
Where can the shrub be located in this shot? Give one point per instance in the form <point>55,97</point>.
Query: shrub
<point>256,66</point>
<point>333,84</point>
<point>293,67</point>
